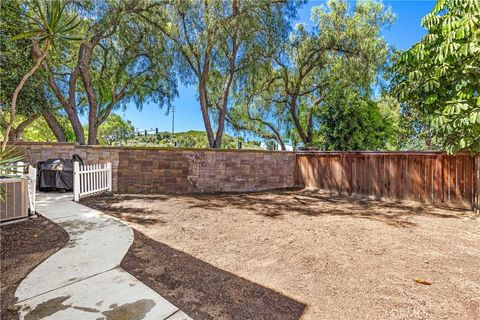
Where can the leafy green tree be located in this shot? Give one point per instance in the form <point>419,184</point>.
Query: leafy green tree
<point>119,60</point>
<point>410,128</point>
<point>114,130</point>
<point>348,121</point>
<point>217,43</point>
<point>46,25</point>
<point>14,63</point>
<point>132,65</point>
<point>291,83</point>
<point>440,76</point>
<point>254,117</point>
<point>41,130</point>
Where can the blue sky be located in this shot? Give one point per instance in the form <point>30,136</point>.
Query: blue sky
<point>405,32</point>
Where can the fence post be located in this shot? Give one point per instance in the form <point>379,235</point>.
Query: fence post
<point>32,175</point>
<point>20,168</point>
<point>76,181</point>
<point>109,176</point>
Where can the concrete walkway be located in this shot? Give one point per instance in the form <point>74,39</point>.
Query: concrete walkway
<point>83,280</point>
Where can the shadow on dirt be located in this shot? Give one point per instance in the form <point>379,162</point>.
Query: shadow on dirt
<point>317,204</point>
<point>202,290</point>
<point>275,205</point>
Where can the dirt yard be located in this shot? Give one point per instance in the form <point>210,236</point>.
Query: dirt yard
<point>23,246</point>
<point>279,255</point>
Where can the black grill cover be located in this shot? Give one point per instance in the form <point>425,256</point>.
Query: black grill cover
<point>55,173</point>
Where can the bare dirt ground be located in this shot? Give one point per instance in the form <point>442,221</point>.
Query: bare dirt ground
<point>23,246</point>
<point>327,257</point>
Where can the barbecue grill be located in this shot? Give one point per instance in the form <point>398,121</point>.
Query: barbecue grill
<point>56,174</point>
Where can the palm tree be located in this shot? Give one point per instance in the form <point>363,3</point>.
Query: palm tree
<point>47,24</point>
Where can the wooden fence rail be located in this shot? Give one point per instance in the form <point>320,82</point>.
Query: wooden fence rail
<point>428,177</point>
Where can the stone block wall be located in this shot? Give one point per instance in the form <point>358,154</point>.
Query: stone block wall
<point>34,152</point>
<point>179,171</point>
<point>163,170</point>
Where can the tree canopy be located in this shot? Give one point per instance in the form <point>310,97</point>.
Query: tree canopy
<point>440,75</point>
<point>331,84</point>
<point>289,87</point>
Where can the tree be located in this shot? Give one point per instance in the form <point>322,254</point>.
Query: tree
<point>254,118</point>
<point>131,64</point>
<point>14,63</point>
<point>216,43</point>
<point>47,25</point>
<point>440,76</point>
<point>344,46</point>
<point>119,60</point>
<point>115,129</point>
<point>348,121</point>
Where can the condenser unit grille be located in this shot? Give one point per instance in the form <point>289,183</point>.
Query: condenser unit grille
<point>14,202</point>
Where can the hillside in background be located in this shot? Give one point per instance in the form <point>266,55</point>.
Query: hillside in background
<point>189,139</point>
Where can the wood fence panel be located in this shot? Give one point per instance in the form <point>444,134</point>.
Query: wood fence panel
<point>476,184</point>
<point>468,174</point>
<point>427,175</point>
<point>430,177</point>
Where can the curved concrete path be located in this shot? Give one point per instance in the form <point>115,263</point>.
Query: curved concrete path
<point>83,280</point>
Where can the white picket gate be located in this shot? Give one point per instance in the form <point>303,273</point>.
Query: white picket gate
<point>32,187</point>
<point>90,179</point>
<point>31,176</point>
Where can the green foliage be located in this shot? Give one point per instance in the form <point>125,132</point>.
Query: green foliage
<point>440,77</point>
<point>291,83</point>
<point>311,86</point>
<point>189,139</point>
<point>217,45</point>
<point>133,64</point>
<point>271,145</point>
<point>42,23</point>
<point>115,130</point>
<point>39,130</point>
<point>349,121</point>
<point>15,61</point>
<point>47,21</point>
<point>8,159</point>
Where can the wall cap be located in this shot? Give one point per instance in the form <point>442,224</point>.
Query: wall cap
<point>124,148</point>
<point>297,152</point>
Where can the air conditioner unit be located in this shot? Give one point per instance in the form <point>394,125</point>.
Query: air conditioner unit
<point>14,199</point>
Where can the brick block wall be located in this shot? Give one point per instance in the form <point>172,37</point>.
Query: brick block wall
<point>161,170</point>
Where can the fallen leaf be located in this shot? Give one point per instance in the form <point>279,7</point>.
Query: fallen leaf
<point>422,281</point>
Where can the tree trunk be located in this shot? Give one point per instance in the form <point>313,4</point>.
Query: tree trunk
<point>55,126</point>
<point>13,106</point>
<point>223,109</point>
<point>17,133</point>
<point>85,55</point>
<point>310,127</point>
<point>76,125</point>
<point>204,107</point>
<point>226,86</point>
<point>296,121</point>
<point>72,109</point>
<point>282,145</point>
<point>70,104</point>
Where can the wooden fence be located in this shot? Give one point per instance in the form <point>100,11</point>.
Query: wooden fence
<point>426,177</point>
<point>90,179</point>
